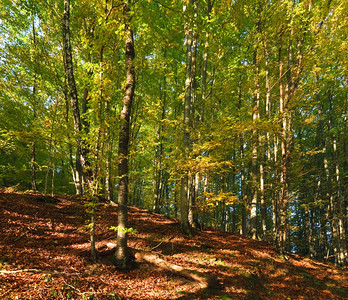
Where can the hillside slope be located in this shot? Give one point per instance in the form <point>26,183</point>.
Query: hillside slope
<point>44,254</point>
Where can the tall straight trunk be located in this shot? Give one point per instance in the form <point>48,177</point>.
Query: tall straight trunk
<point>281,226</point>
<point>82,165</point>
<point>109,186</point>
<point>244,229</point>
<point>337,211</point>
<point>74,172</point>
<point>275,193</point>
<point>254,160</point>
<point>205,65</point>
<point>33,166</point>
<point>71,82</point>
<point>263,201</point>
<point>70,72</point>
<point>187,144</point>
<point>108,178</point>
<point>159,169</point>
<point>192,215</point>
<point>33,144</point>
<point>309,233</point>
<point>53,175</point>
<point>345,167</point>
<point>121,254</point>
<point>267,162</point>
<point>51,151</point>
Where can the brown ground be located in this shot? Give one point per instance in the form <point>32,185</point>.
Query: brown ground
<point>44,254</point>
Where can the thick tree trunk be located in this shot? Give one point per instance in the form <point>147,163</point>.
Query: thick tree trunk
<point>122,254</point>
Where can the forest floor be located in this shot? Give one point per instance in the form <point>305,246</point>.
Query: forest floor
<point>44,254</point>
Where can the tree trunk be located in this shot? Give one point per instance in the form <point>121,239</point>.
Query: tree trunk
<point>254,167</point>
<point>267,163</point>
<point>122,254</point>
<point>69,71</point>
<point>82,165</point>
<point>192,216</point>
<point>33,144</point>
<point>281,232</point>
<point>335,195</point>
<point>244,229</point>
<point>187,143</point>
<point>159,154</point>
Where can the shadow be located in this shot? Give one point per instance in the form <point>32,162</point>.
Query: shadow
<point>49,235</point>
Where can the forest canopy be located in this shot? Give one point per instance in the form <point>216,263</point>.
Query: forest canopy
<point>227,114</point>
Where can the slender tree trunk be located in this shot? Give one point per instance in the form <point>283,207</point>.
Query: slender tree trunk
<point>275,194</point>
<point>71,81</point>
<point>109,187</point>
<point>187,144</point>
<point>53,175</point>
<point>337,213</point>
<point>264,165</point>
<point>159,169</point>
<point>121,254</point>
<point>81,158</point>
<point>281,240</point>
<point>205,65</point>
<point>244,229</point>
<point>51,150</point>
<point>33,144</point>
<point>33,167</point>
<point>192,216</point>
<point>254,160</point>
<point>74,172</point>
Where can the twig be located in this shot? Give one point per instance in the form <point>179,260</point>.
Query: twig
<point>71,286</point>
<point>20,271</point>
<point>35,270</point>
<point>161,243</point>
<point>156,246</point>
<point>23,234</point>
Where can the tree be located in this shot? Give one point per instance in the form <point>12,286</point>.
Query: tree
<point>122,254</point>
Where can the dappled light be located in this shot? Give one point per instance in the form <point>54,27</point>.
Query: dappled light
<point>47,246</point>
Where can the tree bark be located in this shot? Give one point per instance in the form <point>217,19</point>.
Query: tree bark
<point>254,160</point>
<point>281,238</point>
<point>82,165</point>
<point>33,144</point>
<point>69,70</point>
<point>122,254</point>
<point>187,143</point>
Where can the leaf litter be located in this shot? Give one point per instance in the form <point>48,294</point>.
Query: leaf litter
<point>44,254</point>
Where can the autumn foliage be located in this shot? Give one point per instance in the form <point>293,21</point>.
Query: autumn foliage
<point>44,254</point>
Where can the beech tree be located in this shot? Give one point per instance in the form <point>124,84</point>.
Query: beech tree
<point>239,120</point>
<point>122,255</point>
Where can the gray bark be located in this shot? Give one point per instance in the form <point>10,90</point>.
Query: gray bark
<point>122,253</point>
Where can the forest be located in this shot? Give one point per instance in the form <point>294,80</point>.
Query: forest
<point>226,115</point>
